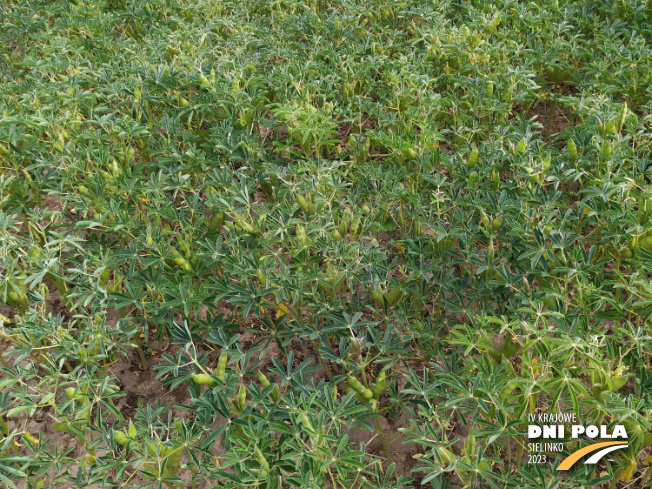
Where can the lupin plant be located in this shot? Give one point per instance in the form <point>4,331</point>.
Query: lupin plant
<point>364,247</point>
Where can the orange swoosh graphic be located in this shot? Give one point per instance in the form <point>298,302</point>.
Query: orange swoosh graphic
<point>575,456</point>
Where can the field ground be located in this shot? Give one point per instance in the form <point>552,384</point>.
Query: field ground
<point>323,244</point>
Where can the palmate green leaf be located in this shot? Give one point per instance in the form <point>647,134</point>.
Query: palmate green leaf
<point>352,459</point>
<point>7,382</point>
<point>328,72</point>
<point>644,309</point>
<point>87,224</point>
<point>7,466</point>
<point>8,481</point>
<point>20,409</point>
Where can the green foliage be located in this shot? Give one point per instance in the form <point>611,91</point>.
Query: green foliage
<point>333,227</point>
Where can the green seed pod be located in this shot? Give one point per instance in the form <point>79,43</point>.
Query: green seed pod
<point>367,145</point>
<point>446,455</point>
<point>115,169</point>
<point>336,235</point>
<point>490,89</point>
<point>367,394</point>
<point>617,383</point>
<point>546,162</point>
<point>355,226</point>
<point>301,234</point>
<point>301,200</point>
<point>64,426</point>
<point>121,438</point>
<point>221,366</point>
<point>509,348</point>
<point>646,243</point>
<point>242,398</point>
<point>596,391</point>
<point>357,386</point>
<point>496,223</point>
<point>623,118</point>
<point>394,295</point>
<point>380,385</point>
<point>572,149</point>
<point>13,298</point>
<point>181,261</point>
<point>469,444</point>
<point>484,219</point>
<point>305,422</point>
<point>275,393</point>
<point>260,458</point>
<point>492,26</point>
<point>490,251</point>
<point>409,154</point>
<point>526,286</point>
<point>36,252</point>
<point>261,277</point>
<point>550,303</point>
<point>171,52</point>
<point>132,431</point>
<point>204,379</point>
<point>495,178</point>
<point>105,276</point>
<point>264,381</point>
<point>520,147</point>
<point>473,158</point>
<point>358,396</point>
<point>217,222</point>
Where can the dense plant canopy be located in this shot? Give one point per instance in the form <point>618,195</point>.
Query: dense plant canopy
<point>322,244</point>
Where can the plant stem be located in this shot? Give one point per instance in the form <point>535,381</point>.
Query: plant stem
<point>325,366</point>
<point>519,453</point>
<point>509,450</point>
<point>646,476</point>
<point>383,440</point>
<point>551,113</point>
<point>4,426</point>
<point>141,354</point>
